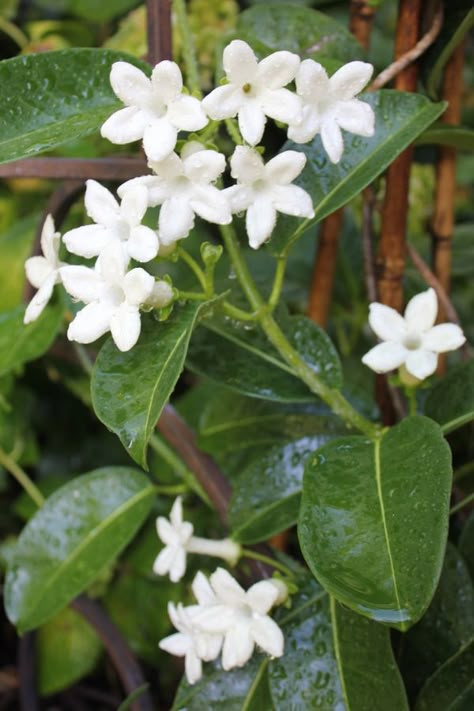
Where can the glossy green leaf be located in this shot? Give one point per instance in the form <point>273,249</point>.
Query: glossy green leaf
<point>374,519</point>
<point>19,343</point>
<point>80,529</point>
<point>15,248</point>
<point>400,119</point>
<point>443,134</point>
<point>451,401</point>
<point>129,390</point>
<point>466,544</point>
<point>67,650</point>
<point>451,688</point>
<point>242,359</point>
<point>50,98</point>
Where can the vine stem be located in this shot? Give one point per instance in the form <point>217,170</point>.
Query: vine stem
<point>194,266</point>
<point>462,503</point>
<point>255,555</point>
<point>22,478</point>
<point>188,49</point>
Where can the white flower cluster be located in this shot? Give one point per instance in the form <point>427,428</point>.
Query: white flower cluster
<point>226,617</point>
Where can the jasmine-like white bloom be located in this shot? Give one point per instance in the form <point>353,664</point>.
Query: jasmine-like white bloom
<point>255,90</point>
<point>113,297</point>
<point>262,190</point>
<point>411,340</point>
<point>329,104</point>
<point>114,224</point>
<point>177,535</point>
<point>184,188</point>
<point>156,109</point>
<point>43,272</point>
<point>189,642</point>
<point>241,617</point>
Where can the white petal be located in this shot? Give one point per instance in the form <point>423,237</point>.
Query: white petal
<point>421,363</point>
<point>147,181</point>
<point>130,84</point>
<point>178,567</point>
<point>143,244</point>
<point>421,310</point>
<point>88,241</point>
<point>268,636</point>
<point>281,105</point>
<point>227,588</point>
<point>40,299</point>
<point>134,204</point>
<point>239,197</point>
<point>215,618</point>
<point>350,79</point>
<point>278,69</point>
<point>164,560</point>
<point>260,221</point>
<point>101,205</point>
<point>125,126</point>
<point>312,80</point>
<point>211,204</point>
<point>238,647</point>
<point>175,221</point>
<point>224,102</point>
<point>187,114</point>
<point>246,165</point>
<point>202,590</point>
<point>386,323</point>
<point>292,200</point>
<point>112,263</point>
<point>204,166</point>
<point>262,596</point>
<point>356,117</point>
<point>331,137</point>
<point>81,283</point>
<point>176,644</point>
<point>159,139</point>
<point>50,241</point>
<point>89,324</point>
<point>443,338</point>
<point>208,646</point>
<point>167,81</point>
<point>125,326</point>
<point>309,125</point>
<point>251,122</point>
<point>240,63</point>
<point>37,270</point>
<point>192,667</point>
<point>385,357</point>
<point>138,286</point>
<point>285,167</point>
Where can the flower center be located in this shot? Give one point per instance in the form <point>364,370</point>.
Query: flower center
<point>412,342</point>
<point>259,185</point>
<point>247,88</point>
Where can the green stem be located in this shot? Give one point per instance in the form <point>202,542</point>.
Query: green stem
<point>462,503</point>
<point>463,471</point>
<point>248,553</point>
<point>241,270</point>
<point>22,478</point>
<point>411,397</point>
<point>208,133</point>
<point>172,490</point>
<point>194,266</point>
<point>14,33</point>
<point>191,295</point>
<point>188,49</point>
<point>277,283</point>
<point>239,314</point>
<point>233,131</point>
<point>84,358</point>
<point>170,457</point>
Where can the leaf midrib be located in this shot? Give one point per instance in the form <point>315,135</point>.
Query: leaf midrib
<point>337,650</point>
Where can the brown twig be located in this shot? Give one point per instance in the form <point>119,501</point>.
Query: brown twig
<point>324,268</point>
<point>362,15</point>
<point>113,169</point>
<point>368,244</point>
<point>411,55</point>
<point>158,30</point>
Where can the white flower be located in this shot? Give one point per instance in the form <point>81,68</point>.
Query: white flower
<point>156,109</point>
<point>177,535</point>
<point>183,187</point>
<point>189,642</point>
<point>263,190</point>
<point>411,340</point>
<point>114,223</point>
<point>255,90</point>
<point>241,617</point>
<point>43,272</point>
<point>329,104</point>
<point>113,297</point>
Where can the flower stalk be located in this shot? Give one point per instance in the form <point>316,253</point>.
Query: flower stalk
<point>22,478</point>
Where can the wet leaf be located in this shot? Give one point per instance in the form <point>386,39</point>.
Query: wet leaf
<point>451,687</point>
<point>15,247</point>
<point>466,544</point>
<point>443,134</point>
<point>451,401</point>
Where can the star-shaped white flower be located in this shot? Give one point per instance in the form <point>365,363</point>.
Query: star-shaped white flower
<point>113,297</point>
<point>329,104</point>
<point>114,223</point>
<point>175,534</point>
<point>263,190</point>
<point>156,109</point>
<point>411,340</point>
<point>184,188</point>
<point>241,617</point>
<point>189,642</point>
<point>43,272</point>
<point>255,90</point>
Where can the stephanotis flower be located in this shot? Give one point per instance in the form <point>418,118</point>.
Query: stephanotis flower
<point>115,223</point>
<point>113,297</point>
<point>43,272</point>
<point>255,90</point>
<point>156,109</point>
<point>177,535</point>
<point>411,340</point>
<point>329,104</point>
<point>183,187</point>
<point>263,190</point>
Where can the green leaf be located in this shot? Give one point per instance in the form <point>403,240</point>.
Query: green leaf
<point>374,519</point>
<point>242,359</point>
<point>442,134</point>
<point>100,12</point>
<point>466,544</point>
<point>80,529</point>
<point>451,401</point>
<point>400,119</point>
<point>129,390</point>
<point>451,688</point>
<point>19,343</point>
<point>15,248</point>
<point>68,649</point>
<point>54,97</point>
